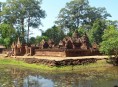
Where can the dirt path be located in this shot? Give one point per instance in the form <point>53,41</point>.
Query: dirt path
<point>58,58</point>
<point>61,58</point>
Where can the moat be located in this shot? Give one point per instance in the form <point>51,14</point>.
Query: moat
<point>14,77</point>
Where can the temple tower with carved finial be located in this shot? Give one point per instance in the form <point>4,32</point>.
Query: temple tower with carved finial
<point>18,43</point>
<point>76,39</point>
<point>85,42</point>
<point>18,46</point>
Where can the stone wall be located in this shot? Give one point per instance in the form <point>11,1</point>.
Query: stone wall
<point>65,53</point>
<point>50,52</point>
<point>79,52</point>
<point>66,62</point>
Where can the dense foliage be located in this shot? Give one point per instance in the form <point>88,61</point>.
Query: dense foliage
<point>109,44</point>
<point>22,13</point>
<point>77,13</point>
<point>7,33</point>
<point>54,33</point>
<point>36,40</point>
<point>97,30</point>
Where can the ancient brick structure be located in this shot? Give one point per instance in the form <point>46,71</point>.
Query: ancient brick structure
<point>18,48</point>
<point>70,46</point>
<point>51,43</point>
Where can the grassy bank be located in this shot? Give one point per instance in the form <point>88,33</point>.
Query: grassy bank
<point>21,64</point>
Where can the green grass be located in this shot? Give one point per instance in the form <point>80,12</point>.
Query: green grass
<point>21,64</point>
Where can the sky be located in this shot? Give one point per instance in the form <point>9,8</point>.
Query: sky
<point>52,8</point>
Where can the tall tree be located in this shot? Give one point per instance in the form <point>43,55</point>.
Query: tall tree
<point>77,13</point>
<point>7,33</point>
<point>54,33</point>
<point>32,40</point>
<point>6,30</point>
<point>40,38</point>
<point>95,34</point>
<point>0,10</point>
<point>110,41</point>
<point>24,13</point>
<point>0,6</point>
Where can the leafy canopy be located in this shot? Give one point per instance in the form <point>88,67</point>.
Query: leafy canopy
<point>6,30</point>
<point>54,33</point>
<point>97,31</point>
<point>77,13</point>
<point>7,33</point>
<point>23,14</point>
<point>110,41</point>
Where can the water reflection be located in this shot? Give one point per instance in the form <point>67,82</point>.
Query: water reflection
<point>13,77</point>
<point>37,81</point>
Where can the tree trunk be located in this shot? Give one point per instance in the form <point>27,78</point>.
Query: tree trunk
<point>22,28</point>
<point>28,30</point>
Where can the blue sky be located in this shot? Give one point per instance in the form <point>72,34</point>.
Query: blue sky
<point>52,8</point>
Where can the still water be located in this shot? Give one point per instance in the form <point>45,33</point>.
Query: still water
<point>14,77</point>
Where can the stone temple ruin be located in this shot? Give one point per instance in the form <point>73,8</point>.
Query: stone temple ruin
<point>68,47</point>
<point>76,42</point>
